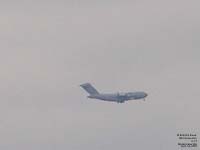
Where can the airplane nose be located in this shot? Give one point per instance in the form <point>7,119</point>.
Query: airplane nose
<point>146,94</point>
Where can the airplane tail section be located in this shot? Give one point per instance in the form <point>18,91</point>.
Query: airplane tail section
<point>89,88</point>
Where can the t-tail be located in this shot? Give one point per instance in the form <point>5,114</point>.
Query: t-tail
<point>89,88</point>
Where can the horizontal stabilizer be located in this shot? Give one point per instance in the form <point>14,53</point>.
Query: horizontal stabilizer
<point>89,88</point>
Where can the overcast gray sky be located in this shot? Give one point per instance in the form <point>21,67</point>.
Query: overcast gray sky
<point>50,47</point>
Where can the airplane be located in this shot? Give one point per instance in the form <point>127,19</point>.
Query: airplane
<point>112,97</point>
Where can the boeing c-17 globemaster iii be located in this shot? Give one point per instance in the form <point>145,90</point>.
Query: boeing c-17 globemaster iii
<point>113,97</point>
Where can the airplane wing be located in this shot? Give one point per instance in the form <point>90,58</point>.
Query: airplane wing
<point>121,97</point>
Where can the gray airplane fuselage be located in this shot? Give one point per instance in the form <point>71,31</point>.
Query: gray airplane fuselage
<point>114,97</point>
<point>119,97</point>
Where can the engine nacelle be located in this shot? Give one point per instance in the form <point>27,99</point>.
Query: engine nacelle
<point>121,97</point>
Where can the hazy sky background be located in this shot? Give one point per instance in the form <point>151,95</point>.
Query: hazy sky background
<point>50,47</point>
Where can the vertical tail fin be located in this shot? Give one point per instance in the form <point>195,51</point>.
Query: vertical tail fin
<point>89,88</point>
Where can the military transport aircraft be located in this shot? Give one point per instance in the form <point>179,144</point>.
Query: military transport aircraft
<point>113,97</point>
